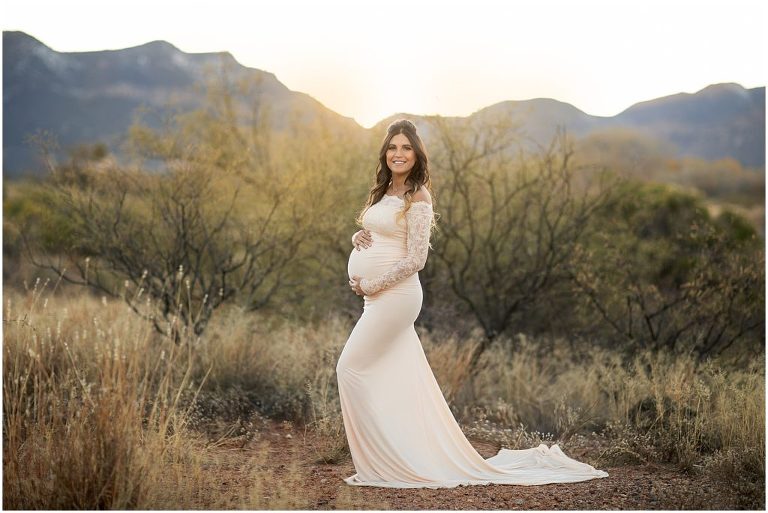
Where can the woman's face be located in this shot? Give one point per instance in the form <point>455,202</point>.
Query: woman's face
<point>400,155</point>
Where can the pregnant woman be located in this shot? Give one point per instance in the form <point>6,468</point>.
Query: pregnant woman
<point>400,430</point>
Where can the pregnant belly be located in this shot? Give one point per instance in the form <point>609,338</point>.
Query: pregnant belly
<point>373,261</point>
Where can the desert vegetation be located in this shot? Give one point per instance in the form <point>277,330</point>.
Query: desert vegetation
<point>162,312</point>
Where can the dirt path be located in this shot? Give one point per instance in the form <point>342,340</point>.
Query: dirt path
<point>321,486</point>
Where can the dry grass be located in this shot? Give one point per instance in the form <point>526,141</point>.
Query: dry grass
<point>101,412</point>
<point>659,407</point>
<point>90,403</point>
<point>97,414</point>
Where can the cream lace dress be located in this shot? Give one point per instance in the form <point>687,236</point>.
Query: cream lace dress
<point>400,430</point>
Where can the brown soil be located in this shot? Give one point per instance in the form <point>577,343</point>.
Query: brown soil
<point>647,486</point>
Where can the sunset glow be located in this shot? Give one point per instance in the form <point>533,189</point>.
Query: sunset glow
<point>368,61</point>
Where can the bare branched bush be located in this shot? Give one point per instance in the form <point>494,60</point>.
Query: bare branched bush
<point>213,225</point>
<point>509,222</point>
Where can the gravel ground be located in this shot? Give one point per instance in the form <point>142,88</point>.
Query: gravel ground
<point>321,486</point>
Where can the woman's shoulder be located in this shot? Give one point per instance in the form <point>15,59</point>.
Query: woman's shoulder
<point>422,195</point>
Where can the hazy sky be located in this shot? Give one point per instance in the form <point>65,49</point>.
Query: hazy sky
<point>368,60</point>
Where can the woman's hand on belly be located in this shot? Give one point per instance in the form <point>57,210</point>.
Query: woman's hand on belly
<point>363,239</point>
<point>354,283</point>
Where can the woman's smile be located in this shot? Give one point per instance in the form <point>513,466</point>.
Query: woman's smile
<point>400,154</point>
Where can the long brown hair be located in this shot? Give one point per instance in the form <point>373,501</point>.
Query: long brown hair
<point>417,178</point>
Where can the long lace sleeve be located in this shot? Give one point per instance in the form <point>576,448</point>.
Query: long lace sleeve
<point>419,221</point>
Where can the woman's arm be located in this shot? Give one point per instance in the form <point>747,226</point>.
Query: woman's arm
<point>419,223</point>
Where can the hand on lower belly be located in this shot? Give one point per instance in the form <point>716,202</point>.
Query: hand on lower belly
<point>354,283</point>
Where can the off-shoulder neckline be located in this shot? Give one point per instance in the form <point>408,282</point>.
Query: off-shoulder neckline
<point>403,200</point>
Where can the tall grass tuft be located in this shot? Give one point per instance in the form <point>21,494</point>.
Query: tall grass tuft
<point>91,403</point>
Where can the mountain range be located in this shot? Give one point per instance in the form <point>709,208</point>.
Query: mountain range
<point>94,96</point>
